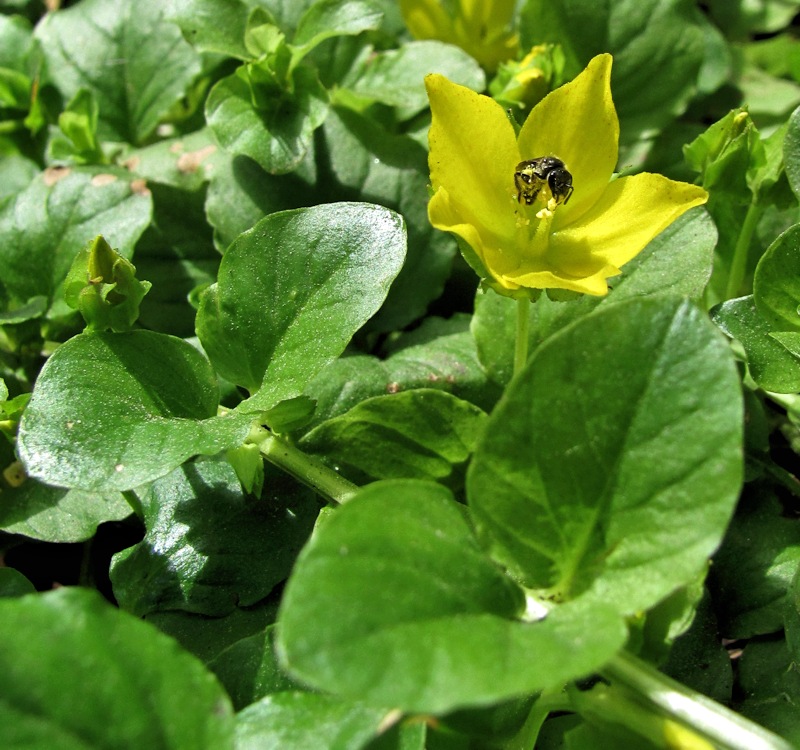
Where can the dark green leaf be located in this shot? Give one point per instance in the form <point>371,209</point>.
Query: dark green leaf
<point>276,138</point>
<point>112,411</point>
<point>13,584</point>
<point>69,658</point>
<point>125,52</point>
<point>612,465</point>
<point>423,434</point>
<point>770,363</point>
<point>43,229</point>
<point>293,291</point>
<point>299,721</point>
<point>208,547</point>
<point>393,602</point>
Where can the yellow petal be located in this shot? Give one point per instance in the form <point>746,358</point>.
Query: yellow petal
<point>577,123</point>
<point>631,211</point>
<point>426,19</point>
<point>487,18</point>
<point>473,153</point>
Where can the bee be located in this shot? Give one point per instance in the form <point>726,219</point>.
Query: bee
<point>532,175</point>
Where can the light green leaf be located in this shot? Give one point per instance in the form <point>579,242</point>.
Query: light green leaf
<point>326,19</point>
<point>394,603</point>
<point>613,463</point>
<point>213,25</point>
<point>776,285</point>
<point>112,411</point>
<point>135,62</point>
<point>299,721</point>
<point>292,292</point>
<point>69,657</point>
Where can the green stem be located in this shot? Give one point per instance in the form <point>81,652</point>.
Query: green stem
<point>521,341</point>
<point>699,714</point>
<point>741,251</point>
<point>306,469</point>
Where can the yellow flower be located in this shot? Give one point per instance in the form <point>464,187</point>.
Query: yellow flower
<point>574,240</point>
<point>480,27</point>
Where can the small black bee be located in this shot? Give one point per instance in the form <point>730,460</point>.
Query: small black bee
<point>533,174</point>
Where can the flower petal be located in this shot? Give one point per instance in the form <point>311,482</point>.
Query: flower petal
<point>631,211</point>
<point>473,153</point>
<point>427,19</point>
<point>577,123</point>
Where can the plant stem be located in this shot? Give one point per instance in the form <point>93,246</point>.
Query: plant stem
<point>306,469</point>
<point>741,251</point>
<point>521,341</point>
<point>721,726</point>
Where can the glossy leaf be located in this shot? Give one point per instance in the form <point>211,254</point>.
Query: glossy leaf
<point>614,487</point>
<point>393,602</point>
<point>425,434</point>
<point>295,721</point>
<point>153,65</point>
<point>69,657</point>
<point>326,19</point>
<point>776,289</point>
<point>276,138</point>
<point>208,547</point>
<point>45,226</point>
<point>112,411</point>
<point>292,292</point>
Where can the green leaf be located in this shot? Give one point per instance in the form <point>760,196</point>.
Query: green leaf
<point>277,138</point>
<point>298,721</point>
<point>423,434</point>
<point>44,228</point>
<point>776,285</point>
<point>14,584</point>
<point>753,570</point>
<point>431,622</point>
<point>392,170</point>
<point>124,51</point>
<point>112,411</point>
<point>51,514</point>
<point>678,261</point>
<point>769,362</point>
<point>209,547</point>
<point>771,686</point>
<point>658,47</point>
<point>396,77</point>
<point>326,19</point>
<point>439,354</point>
<point>613,463</point>
<point>15,42</point>
<point>214,25</point>
<point>791,152</point>
<point>311,275</point>
<point>80,673</point>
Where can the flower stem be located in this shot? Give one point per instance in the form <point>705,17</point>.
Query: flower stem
<point>740,252</point>
<point>682,706</point>
<point>306,469</point>
<point>521,341</point>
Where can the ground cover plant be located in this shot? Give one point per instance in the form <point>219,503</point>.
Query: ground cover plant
<point>400,376</point>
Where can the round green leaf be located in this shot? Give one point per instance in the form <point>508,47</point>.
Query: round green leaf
<point>776,284</point>
<point>292,291</point>
<point>113,411</point>
<point>393,602</point>
<point>278,138</point>
<point>299,721</point>
<point>424,434</point>
<point>79,673</point>
<point>613,463</point>
<point>124,51</point>
<point>45,226</point>
<point>208,546</point>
